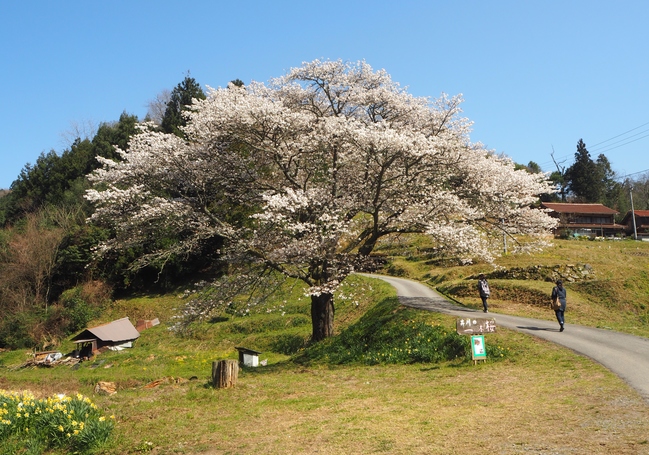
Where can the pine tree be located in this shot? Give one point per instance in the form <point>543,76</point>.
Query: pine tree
<point>181,99</point>
<point>585,179</point>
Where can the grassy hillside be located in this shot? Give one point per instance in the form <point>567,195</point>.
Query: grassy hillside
<point>612,292</point>
<point>529,397</point>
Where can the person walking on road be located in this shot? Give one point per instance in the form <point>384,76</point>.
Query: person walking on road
<point>559,292</point>
<point>483,289</point>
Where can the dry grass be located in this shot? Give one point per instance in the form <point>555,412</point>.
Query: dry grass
<point>547,400</point>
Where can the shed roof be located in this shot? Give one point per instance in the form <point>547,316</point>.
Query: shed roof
<point>246,350</point>
<point>119,330</point>
<point>565,207</point>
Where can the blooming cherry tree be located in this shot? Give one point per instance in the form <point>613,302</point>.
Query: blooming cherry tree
<point>305,174</point>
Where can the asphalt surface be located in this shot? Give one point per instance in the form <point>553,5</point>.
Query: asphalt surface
<point>625,355</point>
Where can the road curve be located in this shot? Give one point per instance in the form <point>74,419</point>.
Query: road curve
<point>625,355</point>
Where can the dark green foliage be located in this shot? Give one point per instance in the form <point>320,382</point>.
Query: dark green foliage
<point>110,135</point>
<point>531,167</point>
<point>389,333</point>
<point>38,327</point>
<point>583,176</point>
<point>181,101</point>
<point>60,180</point>
<point>74,255</point>
<point>53,180</point>
<point>77,310</point>
<point>534,167</point>
<point>395,270</point>
<point>592,181</point>
<point>177,269</point>
<point>612,191</point>
<point>16,330</point>
<point>288,344</point>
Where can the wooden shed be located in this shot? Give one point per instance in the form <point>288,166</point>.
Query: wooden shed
<point>248,357</point>
<point>117,335</point>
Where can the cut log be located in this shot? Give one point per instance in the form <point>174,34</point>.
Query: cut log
<point>225,373</point>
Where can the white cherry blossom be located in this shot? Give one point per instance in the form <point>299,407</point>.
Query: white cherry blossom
<point>321,164</point>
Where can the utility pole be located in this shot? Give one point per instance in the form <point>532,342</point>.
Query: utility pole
<point>635,232</point>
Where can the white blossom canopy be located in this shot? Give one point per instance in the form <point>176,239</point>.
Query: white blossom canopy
<point>306,173</point>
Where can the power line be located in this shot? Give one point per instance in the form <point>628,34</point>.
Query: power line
<point>629,175</point>
<point>613,147</point>
<point>605,148</point>
<point>621,134</point>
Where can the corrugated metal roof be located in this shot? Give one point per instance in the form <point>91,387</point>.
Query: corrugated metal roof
<point>565,207</point>
<point>119,330</point>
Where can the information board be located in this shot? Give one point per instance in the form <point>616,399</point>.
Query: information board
<point>475,326</point>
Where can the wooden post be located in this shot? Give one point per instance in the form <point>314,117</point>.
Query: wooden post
<point>225,373</point>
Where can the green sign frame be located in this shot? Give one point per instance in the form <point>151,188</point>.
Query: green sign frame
<point>478,348</point>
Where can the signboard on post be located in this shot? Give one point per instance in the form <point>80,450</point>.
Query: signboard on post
<point>475,326</point>
<point>478,351</point>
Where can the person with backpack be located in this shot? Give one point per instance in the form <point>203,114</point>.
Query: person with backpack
<point>483,289</point>
<point>559,293</point>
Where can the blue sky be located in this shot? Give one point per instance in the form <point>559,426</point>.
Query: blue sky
<point>536,76</point>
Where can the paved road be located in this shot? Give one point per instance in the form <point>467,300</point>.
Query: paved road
<point>625,355</point>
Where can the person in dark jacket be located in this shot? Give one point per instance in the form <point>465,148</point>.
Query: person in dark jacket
<point>559,292</point>
<point>483,289</point>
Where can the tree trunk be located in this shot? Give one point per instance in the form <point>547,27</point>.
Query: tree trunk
<point>322,316</point>
<point>225,373</point>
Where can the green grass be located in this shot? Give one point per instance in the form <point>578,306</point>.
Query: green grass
<point>615,296</point>
<point>347,395</point>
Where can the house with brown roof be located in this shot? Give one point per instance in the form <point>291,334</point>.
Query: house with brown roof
<point>641,223</point>
<point>113,335</point>
<point>592,220</point>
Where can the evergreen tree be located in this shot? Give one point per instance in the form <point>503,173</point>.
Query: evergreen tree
<point>113,134</point>
<point>612,191</point>
<point>61,179</point>
<point>181,100</point>
<point>533,167</point>
<point>584,177</point>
